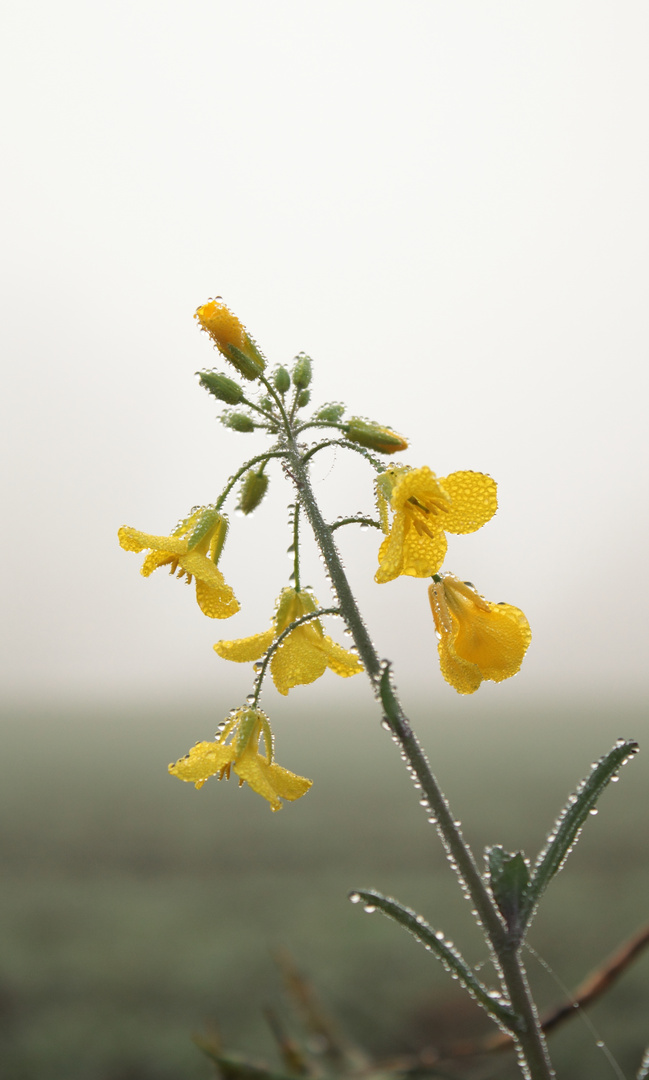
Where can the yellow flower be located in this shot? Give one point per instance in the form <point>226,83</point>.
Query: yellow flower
<point>477,639</point>
<point>425,508</point>
<point>304,655</point>
<point>244,730</point>
<point>231,338</point>
<point>193,550</point>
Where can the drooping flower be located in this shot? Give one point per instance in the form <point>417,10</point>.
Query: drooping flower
<point>237,747</point>
<point>426,507</point>
<point>192,550</point>
<point>231,338</point>
<point>477,639</point>
<point>306,652</point>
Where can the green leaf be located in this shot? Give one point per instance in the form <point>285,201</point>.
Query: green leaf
<point>571,821</point>
<point>509,878</point>
<point>445,951</point>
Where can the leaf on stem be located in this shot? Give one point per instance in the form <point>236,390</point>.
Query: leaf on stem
<point>445,951</point>
<point>571,821</point>
<point>509,878</point>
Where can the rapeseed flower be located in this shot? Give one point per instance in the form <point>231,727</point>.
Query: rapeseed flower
<point>477,639</point>
<point>304,655</point>
<point>237,747</point>
<point>426,507</point>
<point>192,550</point>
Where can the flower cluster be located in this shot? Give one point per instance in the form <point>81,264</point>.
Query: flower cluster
<point>478,640</point>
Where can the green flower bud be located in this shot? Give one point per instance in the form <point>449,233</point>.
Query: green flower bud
<point>374,436</point>
<point>221,387</point>
<point>302,371</point>
<point>282,380</point>
<point>303,398</point>
<point>238,422</point>
<point>330,413</point>
<point>253,489</point>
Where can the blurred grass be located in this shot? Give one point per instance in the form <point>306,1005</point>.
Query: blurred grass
<point>135,910</point>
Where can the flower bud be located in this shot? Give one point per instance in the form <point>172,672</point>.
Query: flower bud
<point>374,436</point>
<point>303,398</point>
<point>253,489</point>
<point>219,386</point>
<point>238,422</point>
<point>231,338</point>
<point>282,380</point>
<point>302,371</point>
<point>330,413</point>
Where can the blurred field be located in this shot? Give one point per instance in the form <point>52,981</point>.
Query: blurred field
<point>136,911</point>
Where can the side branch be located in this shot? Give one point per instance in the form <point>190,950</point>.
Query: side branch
<point>377,463</point>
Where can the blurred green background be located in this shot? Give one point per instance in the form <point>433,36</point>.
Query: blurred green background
<point>137,911</point>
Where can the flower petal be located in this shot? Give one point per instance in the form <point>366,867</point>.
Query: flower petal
<point>299,660</point>
<point>156,559</point>
<point>342,662</point>
<point>270,781</point>
<point>216,603</point>
<point>422,554</point>
<point>134,540</point>
<point>478,640</point>
<point>205,759</point>
<point>495,640</point>
<point>474,501</point>
<point>391,551</point>
<point>245,649</point>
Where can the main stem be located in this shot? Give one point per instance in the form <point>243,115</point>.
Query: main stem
<point>535,1062</point>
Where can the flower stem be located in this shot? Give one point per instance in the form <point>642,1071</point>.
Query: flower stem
<point>296,545</point>
<point>534,1060</point>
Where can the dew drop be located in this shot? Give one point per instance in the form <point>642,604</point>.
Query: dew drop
<point>369,908</point>
<point>593,811</point>
<point>355,897</point>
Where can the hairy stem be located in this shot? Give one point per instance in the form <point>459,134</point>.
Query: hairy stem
<point>535,1062</point>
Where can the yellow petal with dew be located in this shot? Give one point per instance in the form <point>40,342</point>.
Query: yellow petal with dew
<point>246,649</point>
<point>216,602</point>
<point>422,555</point>
<point>473,501</point>
<point>134,540</point>
<point>204,760</point>
<point>341,661</point>
<point>495,640</point>
<point>391,551</point>
<point>478,640</point>
<point>271,781</point>
<point>299,660</point>
<point>155,559</point>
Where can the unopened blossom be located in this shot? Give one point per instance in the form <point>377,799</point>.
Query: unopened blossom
<point>231,338</point>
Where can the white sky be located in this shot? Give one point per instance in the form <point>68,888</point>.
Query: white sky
<point>444,203</point>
